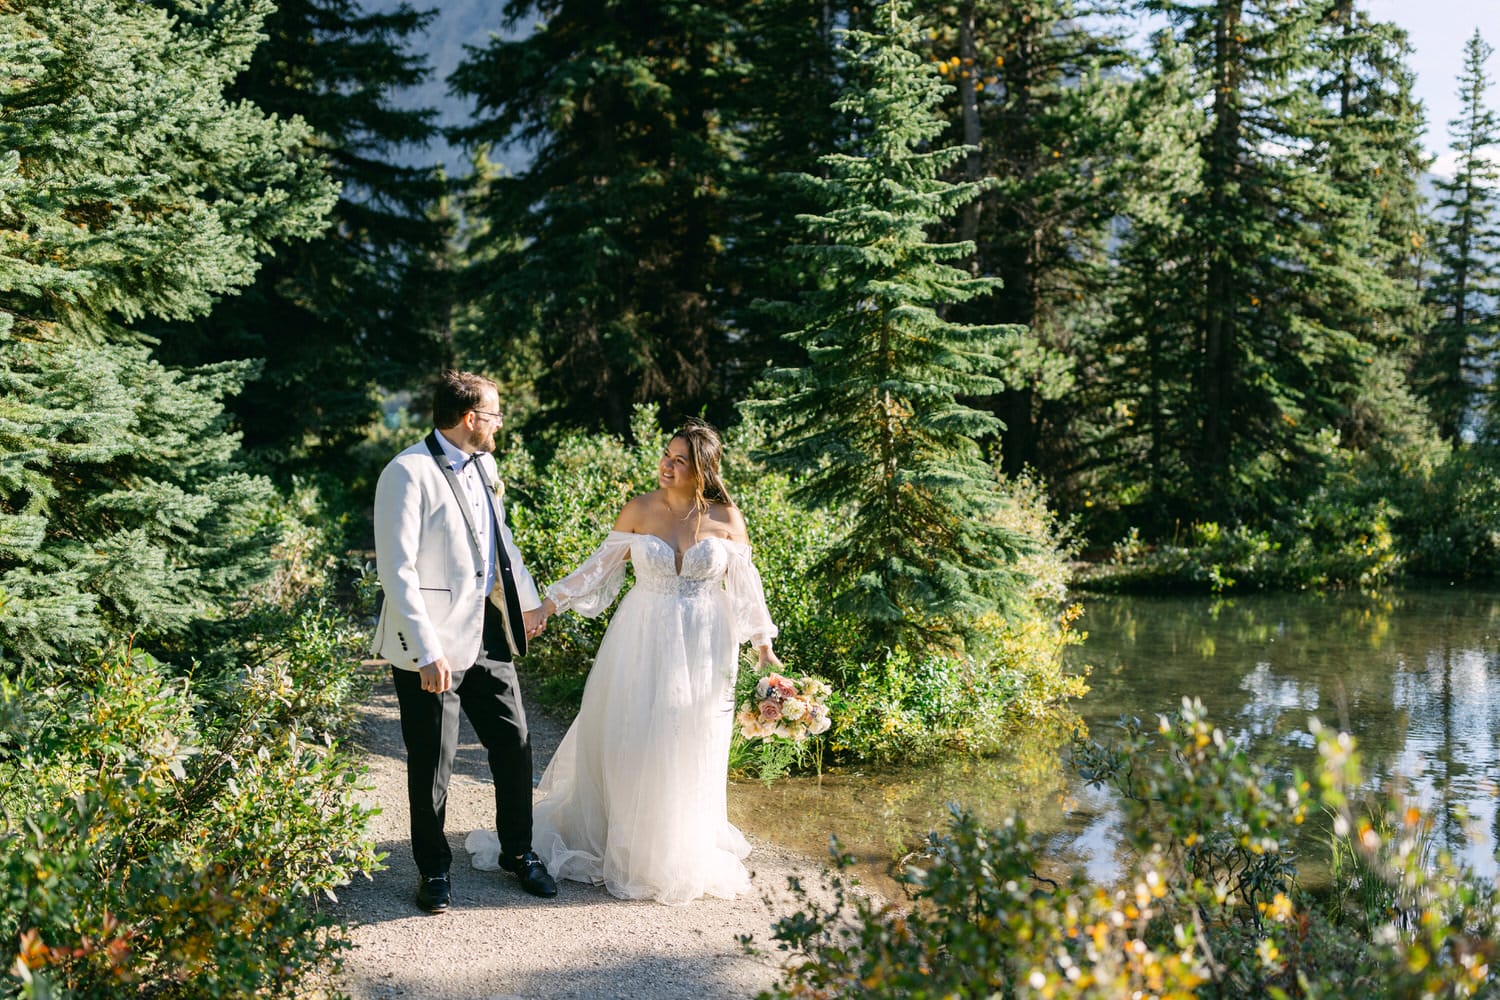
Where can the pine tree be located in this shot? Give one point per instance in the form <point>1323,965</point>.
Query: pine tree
<point>1374,157</point>
<point>1269,242</point>
<point>333,320</point>
<point>1036,88</point>
<point>873,420</point>
<point>130,188</point>
<point>607,247</point>
<point>788,120</point>
<point>1461,343</point>
<point>1133,370</point>
<point>124,504</point>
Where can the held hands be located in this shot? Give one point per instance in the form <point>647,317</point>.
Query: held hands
<point>536,619</point>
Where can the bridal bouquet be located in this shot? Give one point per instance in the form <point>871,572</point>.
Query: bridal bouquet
<point>792,710</point>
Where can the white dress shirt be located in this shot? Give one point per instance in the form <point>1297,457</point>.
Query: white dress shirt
<point>479,505</point>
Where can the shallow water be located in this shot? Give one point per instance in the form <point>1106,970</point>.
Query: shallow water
<point>1414,676</point>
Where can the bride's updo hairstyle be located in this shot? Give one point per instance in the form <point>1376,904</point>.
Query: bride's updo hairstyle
<point>704,448</point>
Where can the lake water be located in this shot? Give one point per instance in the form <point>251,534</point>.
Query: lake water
<point>1414,676</point>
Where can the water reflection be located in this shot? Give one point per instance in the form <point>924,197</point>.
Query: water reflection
<point>881,815</point>
<point>1415,676</point>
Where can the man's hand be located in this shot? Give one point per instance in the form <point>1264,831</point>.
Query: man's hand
<point>536,620</point>
<point>436,676</point>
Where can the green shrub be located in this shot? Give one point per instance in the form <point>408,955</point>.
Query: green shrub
<point>310,542</point>
<point>172,835</point>
<point>902,707</point>
<point>1209,907</point>
<point>1371,519</point>
<point>1450,514</point>
<point>560,515</point>
<point>171,838</point>
<point>1009,675</point>
<point>897,705</point>
<point>1331,539</point>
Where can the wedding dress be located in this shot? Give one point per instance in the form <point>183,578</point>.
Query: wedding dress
<point>634,797</point>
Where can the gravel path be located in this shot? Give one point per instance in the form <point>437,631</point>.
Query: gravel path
<point>498,943</point>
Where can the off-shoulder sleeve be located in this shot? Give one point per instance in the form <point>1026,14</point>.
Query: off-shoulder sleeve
<point>592,587</point>
<point>752,620</point>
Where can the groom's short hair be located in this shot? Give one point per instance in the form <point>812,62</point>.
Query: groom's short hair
<point>457,393</point>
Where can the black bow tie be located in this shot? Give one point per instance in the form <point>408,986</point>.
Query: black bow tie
<point>471,460</point>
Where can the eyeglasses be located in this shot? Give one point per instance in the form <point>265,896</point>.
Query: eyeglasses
<point>486,413</point>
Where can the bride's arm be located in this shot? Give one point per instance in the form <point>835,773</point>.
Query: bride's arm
<point>591,587</point>
<point>747,596</point>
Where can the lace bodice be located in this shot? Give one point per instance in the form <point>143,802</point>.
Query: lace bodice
<point>656,566</point>
<point>709,566</point>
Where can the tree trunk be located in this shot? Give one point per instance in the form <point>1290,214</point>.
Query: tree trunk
<point>1217,377</point>
<point>968,100</point>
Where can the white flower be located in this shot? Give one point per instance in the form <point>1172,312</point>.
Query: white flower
<point>751,726</point>
<point>816,689</point>
<point>497,487</point>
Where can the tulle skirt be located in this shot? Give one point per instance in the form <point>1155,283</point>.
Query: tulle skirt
<point>634,798</point>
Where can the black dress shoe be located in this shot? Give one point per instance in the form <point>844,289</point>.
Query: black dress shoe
<point>434,894</point>
<point>532,873</point>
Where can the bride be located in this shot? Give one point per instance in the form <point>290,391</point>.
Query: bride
<point>634,798</point>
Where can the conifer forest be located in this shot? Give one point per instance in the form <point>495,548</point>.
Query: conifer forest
<point>996,302</point>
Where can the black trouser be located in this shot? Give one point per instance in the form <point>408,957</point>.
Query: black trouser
<point>489,695</point>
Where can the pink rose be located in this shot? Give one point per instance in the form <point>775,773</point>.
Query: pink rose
<point>770,710</point>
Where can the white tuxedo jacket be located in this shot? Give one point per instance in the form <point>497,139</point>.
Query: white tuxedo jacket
<point>431,572</point>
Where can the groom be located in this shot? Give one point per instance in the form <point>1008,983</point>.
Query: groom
<point>458,608</point>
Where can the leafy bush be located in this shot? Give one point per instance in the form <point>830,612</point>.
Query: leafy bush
<point>172,838</point>
<point>1209,908</point>
<point>560,515</point>
<point>1013,675</point>
<point>894,706</point>
<point>1340,535</point>
<point>308,545</point>
<point>1010,673</point>
<point>1370,520</point>
<point>1450,514</point>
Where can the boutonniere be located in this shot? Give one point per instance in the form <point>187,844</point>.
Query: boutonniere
<point>497,487</point>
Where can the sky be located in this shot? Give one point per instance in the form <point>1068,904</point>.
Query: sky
<point>1438,30</point>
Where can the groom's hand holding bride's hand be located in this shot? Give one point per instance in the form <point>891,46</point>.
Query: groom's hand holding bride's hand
<point>536,619</point>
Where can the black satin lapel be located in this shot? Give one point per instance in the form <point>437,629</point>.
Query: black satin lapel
<point>458,490</point>
<point>514,618</point>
